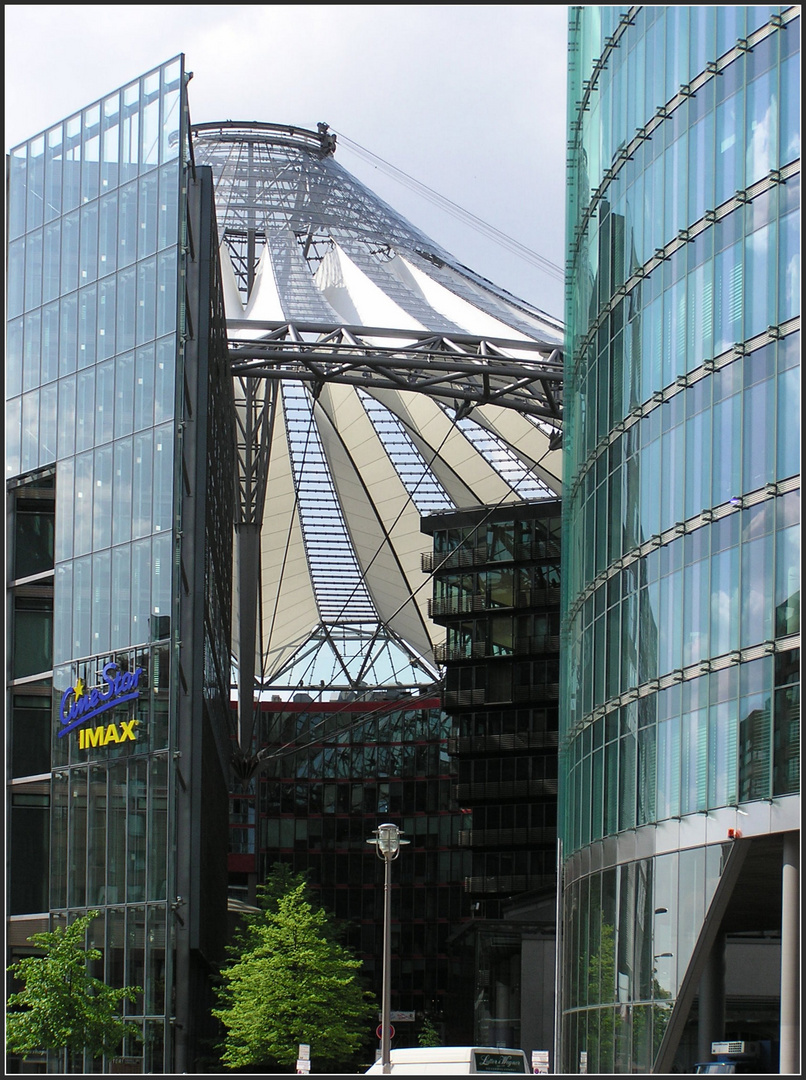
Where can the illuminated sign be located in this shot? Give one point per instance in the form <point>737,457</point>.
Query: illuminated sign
<point>121,686</point>
<point>107,733</point>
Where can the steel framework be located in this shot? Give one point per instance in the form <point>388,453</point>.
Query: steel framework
<point>309,243</point>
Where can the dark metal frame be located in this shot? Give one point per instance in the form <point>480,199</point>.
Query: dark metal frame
<point>461,369</point>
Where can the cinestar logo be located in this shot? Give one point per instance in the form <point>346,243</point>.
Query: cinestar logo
<point>112,733</point>
<point>120,686</point>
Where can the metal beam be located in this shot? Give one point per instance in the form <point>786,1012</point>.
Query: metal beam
<point>462,368</point>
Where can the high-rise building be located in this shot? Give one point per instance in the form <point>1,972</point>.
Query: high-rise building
<point>120,467</point>
<point>214,325</point>
<point>680,715</point>
<point>496,590</point>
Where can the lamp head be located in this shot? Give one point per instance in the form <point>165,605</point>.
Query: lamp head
<point>388,841</point>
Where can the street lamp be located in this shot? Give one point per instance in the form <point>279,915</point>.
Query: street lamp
<point>387,847</point>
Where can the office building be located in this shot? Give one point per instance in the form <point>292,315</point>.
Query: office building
<point>496,590</point>
<point>680,713</point>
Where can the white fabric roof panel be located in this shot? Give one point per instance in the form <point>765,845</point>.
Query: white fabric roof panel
<point>233,305</point>
<point>466,475</point>
<point>289,609</point>
<point>465,315</point>
<point>383,523</point>
<point>265,302</point>
<point>526,440</point>
<point>356,298</point>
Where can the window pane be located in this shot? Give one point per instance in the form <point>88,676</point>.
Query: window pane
<point>33,635</point>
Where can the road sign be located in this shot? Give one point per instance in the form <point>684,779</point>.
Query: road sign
<point>303,1065</point>
<point>304,1052</point>
<point>379,1031</point>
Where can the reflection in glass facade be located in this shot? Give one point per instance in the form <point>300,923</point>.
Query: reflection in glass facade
<point>681,573</point>
<point>97,335</point>
<point>365,759</point>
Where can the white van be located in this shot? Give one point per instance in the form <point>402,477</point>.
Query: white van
<point>440,1060</point>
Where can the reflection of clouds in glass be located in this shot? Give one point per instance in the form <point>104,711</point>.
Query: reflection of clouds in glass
<point>761,146</point>
<point>792,283</point>
<point>723,608</point>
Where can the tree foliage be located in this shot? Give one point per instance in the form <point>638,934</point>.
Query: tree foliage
<point>291,981</point>
<point>62,1006</point>
<point>429,1036</point>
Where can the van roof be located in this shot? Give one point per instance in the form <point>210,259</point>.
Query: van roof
<point>445,1053</point>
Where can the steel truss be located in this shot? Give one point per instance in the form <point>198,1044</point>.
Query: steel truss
<point>461,370</point>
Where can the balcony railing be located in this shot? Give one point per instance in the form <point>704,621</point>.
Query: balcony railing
<point>509,883</point>
<point>472,602</point>
<point>482,744</point>
<point>480,650</point>
<point>505,789</point>
<point>518,695</point>
<point>480,555</point>
<point>502,838</point>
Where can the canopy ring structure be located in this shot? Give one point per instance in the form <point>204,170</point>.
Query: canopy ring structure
<point>376,379</point>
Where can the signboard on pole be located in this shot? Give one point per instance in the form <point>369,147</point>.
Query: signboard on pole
<point>304,1058</point>
<point>540,1061</point>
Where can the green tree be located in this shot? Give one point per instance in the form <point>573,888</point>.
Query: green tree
<point>291,981</point>
<point>429,1036</point>
<point>62,1006</point>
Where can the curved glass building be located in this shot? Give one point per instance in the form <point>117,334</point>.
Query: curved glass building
<point>680,716</point>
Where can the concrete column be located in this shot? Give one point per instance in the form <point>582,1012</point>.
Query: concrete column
<point>711,1026</point>
<point>790,955</point>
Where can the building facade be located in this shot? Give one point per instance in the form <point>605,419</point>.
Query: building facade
<point>119,643</point>
<point>496,589</point>
<point>679,736</point>
<point>362,759</point>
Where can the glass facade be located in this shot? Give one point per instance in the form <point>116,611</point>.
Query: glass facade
<point>96,397</point>
<point>363,762</point>
<point>681,571</point>
<point>496,590</point>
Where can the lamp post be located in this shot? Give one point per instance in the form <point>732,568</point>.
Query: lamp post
<point>387,847</point>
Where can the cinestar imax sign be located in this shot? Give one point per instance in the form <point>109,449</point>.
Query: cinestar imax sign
<point>79,705</point>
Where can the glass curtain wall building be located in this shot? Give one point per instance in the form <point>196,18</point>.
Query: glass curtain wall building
<point>496,590</point>
<point>680,721</point>
<point>383,753</point>
<point>119,645</point>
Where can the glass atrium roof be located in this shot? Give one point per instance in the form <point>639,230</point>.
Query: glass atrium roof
<point>375,380</point>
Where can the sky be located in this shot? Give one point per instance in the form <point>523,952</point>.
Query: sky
<point>468,100</point>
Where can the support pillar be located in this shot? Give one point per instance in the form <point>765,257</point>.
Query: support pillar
<point>790,955</point>
<point>247,542</point>
<point>711,1027</point>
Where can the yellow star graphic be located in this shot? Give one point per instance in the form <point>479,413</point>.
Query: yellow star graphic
<point>78,689</point>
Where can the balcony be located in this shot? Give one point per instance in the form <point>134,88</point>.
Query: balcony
<point>480,555</point>
<point>519,695</point>
<point>467,604</point>
<point>509,883</point>
<point>503,838</point>
<point>484,744</point>
<point>481,650</point>
<point>508,789</point>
